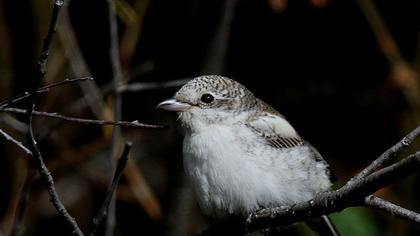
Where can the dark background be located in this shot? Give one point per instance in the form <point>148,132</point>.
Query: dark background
<point>345,84</point>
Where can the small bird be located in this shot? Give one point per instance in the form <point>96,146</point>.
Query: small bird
<point>239,153</point>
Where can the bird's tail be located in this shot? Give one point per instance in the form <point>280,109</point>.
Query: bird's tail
<point>323,226</point>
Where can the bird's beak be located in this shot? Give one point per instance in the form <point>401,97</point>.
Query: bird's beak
<point>173,105</point>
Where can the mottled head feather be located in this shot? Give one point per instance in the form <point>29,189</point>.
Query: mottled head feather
<point>228,93</point>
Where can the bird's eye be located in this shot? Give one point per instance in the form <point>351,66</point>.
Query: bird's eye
<point>207,98</point>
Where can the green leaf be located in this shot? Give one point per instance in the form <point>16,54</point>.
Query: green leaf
<point>355,221</point>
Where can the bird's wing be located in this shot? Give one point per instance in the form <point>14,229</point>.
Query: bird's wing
<point>277,131</point>
<point>273,128</point>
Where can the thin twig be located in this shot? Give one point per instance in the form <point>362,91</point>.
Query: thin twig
<point>13,140</point>
<point>388,155</point>
<point>134,124</point>
<point>42,59</point>
<point>383,177</point>
<point>391,208</point>
<point>49,182</point>
<point>46,88</point>
<point>118,172</point>
<point>36,154</point>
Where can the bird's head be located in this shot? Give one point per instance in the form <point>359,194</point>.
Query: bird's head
<point>210,99</point>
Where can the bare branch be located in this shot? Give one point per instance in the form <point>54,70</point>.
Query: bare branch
<point>13,140</point>
<point>42,59</point>
<point>388,155</point>
<point>391,208</point>
<point>118,172</point>
<point>49,182</point>
<point>134,124</point>
<point>36,154</point>
<point>46,88</point>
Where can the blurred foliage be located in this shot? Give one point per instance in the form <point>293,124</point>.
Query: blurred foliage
<point>356,221</point>
<point>345,73</point>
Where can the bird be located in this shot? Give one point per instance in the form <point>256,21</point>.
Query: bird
<point>239,153</point>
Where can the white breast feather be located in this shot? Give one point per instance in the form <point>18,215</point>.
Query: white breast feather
<point>232,172</point>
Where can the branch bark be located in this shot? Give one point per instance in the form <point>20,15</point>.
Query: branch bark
<point>391,208</point>
<point>13,100</point>
<point>134,124</point>
<point>103,211</point>
<point>329,202</point>
<point>49,182</point>
<point>17,143</point>
<point>36,153</point>
<point>388,155</point>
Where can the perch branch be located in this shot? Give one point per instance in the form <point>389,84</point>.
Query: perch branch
<point>391,208</point>
<point>134,124</point>
<point>329,202</point>
<point>118,172</point>
<point>357,192</point>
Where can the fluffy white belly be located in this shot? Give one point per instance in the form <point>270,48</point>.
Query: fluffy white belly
<point>234,175</point>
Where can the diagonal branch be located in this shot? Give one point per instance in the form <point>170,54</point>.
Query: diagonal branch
<point>49,182</point>
<point>391,208</point>
<point>13,140</point>
<point>46,88</point>
<point>388,155</point>
<point>118,172</point>
<point>134,124</point>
